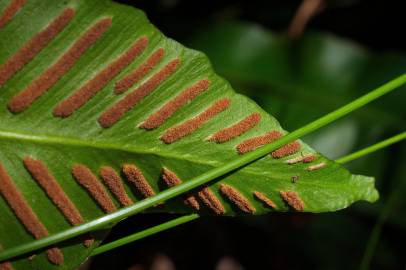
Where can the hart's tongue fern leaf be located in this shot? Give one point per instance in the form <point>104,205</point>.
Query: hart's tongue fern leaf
<point>99,111</point>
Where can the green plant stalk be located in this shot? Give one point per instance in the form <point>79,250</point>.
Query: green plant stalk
<point>145,233</point>
<point>185,219</point>
<point>372,148</point>
<point>203,178</point>
<point>376,231</point>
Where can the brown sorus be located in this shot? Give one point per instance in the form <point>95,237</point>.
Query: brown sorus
<point>293,199</point>
<point>237,198</point>
<point>88,180</point>
<point>25,214</point>
<point>46,80</point>
<point>46,180</point>
<point>262,197</point>
<point>237,129</point>
<point>135,176</point>
<point>135,76</point>
<point>211,201</point>
<point>175,133</point>
<point>309,158</point>
<point>100,80</point>
<point>10,11</point>
<point>55,255</point>
<point>159,117</point>
<point>255,142</point>
<point>114,183</point>
<point>286,150</point>
<point>171,180</point>
<point>34,46</point>
<point>316,166</point>
<point>304,159</point>
<point>117,111</point>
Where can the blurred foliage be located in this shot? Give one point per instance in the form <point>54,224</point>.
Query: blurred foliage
<point>300,80</point>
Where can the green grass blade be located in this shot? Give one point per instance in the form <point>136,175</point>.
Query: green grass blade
<point>376,231</point>
<point>145,233</point>
<point>373,148</point>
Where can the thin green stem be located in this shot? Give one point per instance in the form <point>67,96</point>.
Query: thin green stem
<point>142,234</point>
<point>372,148</point>
<point>203,178</point>
<point>384,215</point>
<point>376,231</point>
<point>185,219</point>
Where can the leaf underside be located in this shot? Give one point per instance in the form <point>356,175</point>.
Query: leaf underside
<point>74,128</point>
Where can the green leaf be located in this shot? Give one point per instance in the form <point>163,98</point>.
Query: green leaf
<point>43,141</point>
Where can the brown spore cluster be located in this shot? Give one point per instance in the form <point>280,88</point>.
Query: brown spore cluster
<point>237,198</point>
<point>135,76</point>
<point>88,180</point>
<point>175,133</point>
<point>46,80</point>
<point>293,199</point>
<point>25,214</point>
<point>114,183</point>
<point>211,201</point>
<point>262,197</point>
<point>135,176</point>
<point>54,191</point>
<point>9,12</point>
<point>100,80</point>
<point>46,180</point>
<point>117,111</point>
<point>309,158</point>
<point>286,150</point>
<point>304,159</point>
<point>237,129</point>
<point>159,117</point>
<point>24,55</point>
<point>255,142</point>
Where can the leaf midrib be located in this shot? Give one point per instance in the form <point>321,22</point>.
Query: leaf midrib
<point>66,141</point>
<point>47,139</point>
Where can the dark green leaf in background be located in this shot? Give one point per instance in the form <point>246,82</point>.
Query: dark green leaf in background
<point>299,80</point>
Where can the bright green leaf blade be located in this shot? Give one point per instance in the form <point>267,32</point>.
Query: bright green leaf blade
<point>79,139</point>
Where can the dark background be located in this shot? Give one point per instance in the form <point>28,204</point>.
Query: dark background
<point>338,240</point>
<point>374,23</point>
